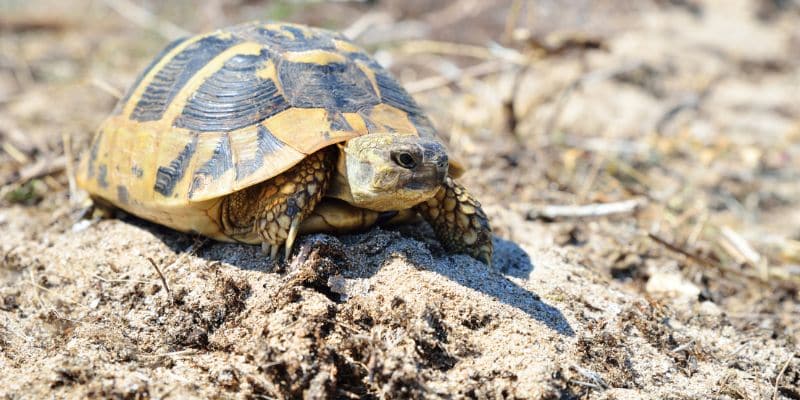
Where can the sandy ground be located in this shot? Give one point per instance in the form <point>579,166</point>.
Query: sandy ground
<point>684,113</point>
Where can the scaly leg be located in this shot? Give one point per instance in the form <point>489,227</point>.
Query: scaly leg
<point>273,210</point>
<point>459,222</point>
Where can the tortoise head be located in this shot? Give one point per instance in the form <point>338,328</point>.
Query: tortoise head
<point>390,172</point>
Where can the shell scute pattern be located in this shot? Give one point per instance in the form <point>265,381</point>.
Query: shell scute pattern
<point>393,94</point>
<point>266,143</point>
<point>171,78</point>
<point>219,163</point>
<point>334,86</point>
<point>161,54</point>
<point>168,176</point>
<point>233,97</point>
<point>205,119</point>
<point>93,154</point>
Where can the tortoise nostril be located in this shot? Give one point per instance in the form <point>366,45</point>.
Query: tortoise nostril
<point>405,160</point>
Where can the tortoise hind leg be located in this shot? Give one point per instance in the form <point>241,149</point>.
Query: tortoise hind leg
<point>459,222</point>
<point>272,211</point>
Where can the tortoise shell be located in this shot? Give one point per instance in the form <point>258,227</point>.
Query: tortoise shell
<point>218,112</point>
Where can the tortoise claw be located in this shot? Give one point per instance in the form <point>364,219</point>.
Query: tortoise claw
<point>271,250</point>
<point>291,237</point>
<point>486,258</point>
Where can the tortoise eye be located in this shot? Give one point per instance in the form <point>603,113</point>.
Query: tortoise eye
<point>405,160</point>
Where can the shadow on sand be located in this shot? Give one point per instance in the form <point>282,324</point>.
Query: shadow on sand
<point>509,260</point>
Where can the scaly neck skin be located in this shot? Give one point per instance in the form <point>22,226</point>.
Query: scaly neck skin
<point>340,187</point>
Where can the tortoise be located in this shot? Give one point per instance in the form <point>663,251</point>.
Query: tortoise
<point>262,131</point>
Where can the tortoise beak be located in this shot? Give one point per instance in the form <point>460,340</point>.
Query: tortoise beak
<point>434,157</point>
<point>434,154</point>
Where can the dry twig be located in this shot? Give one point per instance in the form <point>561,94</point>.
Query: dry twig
<point>38,22</point>
<point>585,211</point>
<point>772,273</point>
<point>364,23</point>
<point>780,375</point>
<point>596,379</point>
<point>674,247</point>
<point>163,279</point>
<point>683,346</point>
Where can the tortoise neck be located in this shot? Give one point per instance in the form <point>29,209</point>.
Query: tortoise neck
<point>340,185</point>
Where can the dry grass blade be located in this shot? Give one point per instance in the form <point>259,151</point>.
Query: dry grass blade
<point>457,11</point>
<point>463,50</point>
<point>66,140</point>
<point>364,23</point>
<point>475,71</point>
<point>40,168</point>
<point>146,19</point>
<point>175,354</point>
<point>692,102</point>
<point>790,250</point>
<point>56,294</point>
<point>683,346</point>
<point>511,20</point>
<point>15,153</point>
<point>716,265</point>
<point>106,87</point>
<point>741,250</point>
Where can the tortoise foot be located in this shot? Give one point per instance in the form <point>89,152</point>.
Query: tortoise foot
<point>459,221</point>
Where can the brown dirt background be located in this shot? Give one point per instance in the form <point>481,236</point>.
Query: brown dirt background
<point>690,108</point>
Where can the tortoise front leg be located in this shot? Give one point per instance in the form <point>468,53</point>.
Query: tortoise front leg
<point>274,209</point>
<point>459,222</point>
